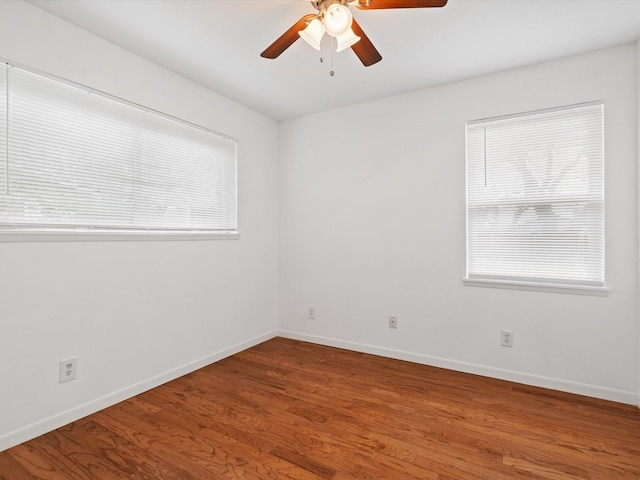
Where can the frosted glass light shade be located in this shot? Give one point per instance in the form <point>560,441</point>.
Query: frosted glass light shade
<point>337,20</point>
<point>346,40</point>
<point>313,33</point>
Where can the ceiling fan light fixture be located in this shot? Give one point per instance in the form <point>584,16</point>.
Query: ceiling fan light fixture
<point>337,20</point>
<point>346,40</point>
<point>313,33</point>
<point>334,18</point>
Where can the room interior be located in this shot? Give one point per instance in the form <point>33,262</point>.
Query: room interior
<point>351,198</point>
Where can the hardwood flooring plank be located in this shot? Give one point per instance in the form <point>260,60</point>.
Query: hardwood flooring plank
<point>304,462</point>
<point>10,469</point>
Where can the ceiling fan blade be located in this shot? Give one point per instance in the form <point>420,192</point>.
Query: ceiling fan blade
<point>364,49</point>
<point>381,4</point>
<point>287,38</point>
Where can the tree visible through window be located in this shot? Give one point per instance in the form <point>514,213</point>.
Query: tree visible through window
<point>535,197</point>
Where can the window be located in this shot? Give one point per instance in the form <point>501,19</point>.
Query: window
<point>74,160</point>
<point>535,198</point>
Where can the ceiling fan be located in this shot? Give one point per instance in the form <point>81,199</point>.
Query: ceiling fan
<point>334,18</point>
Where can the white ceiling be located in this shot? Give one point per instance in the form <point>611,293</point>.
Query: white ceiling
<point>217,43</point>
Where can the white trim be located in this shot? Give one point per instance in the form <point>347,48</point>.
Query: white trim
<point>34,430</point>
<point>538,287</point>
<point>110,236</point>
<point>615,395</point>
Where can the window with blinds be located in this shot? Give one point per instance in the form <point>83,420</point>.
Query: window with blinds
<point>535,197</point>
<point>77,160</point>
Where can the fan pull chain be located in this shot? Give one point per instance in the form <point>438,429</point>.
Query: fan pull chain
<point>332,73</point>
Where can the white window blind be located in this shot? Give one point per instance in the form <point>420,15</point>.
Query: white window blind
<point>535,197</point>
<point>75,160</point>
<point>4,129</point>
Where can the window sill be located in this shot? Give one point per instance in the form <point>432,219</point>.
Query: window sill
<point>538,287</point>
<point>17,235</point>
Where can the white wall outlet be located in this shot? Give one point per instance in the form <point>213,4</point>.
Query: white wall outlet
<point>68,369</point>
<point>393,321</point>
<point>311,312</point>
<point>506,338</point>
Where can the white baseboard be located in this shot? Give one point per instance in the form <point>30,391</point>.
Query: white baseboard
<point>21,435</point>
<point>621,396</point>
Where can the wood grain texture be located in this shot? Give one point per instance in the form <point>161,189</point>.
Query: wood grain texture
<point>292,410</point>
<point>383,4</point>
<point>364,49</point>
<point>288,38</point>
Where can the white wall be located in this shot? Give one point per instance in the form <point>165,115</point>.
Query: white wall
<point>372,223</point>
<point>135,313</point>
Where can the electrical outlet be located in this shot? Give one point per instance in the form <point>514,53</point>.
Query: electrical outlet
<point>68,369</point>
<point>506,338</point>
<point>393,321</point>
<point>311,312</point>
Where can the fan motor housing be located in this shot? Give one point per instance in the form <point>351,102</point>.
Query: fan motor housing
<point>323,5</point>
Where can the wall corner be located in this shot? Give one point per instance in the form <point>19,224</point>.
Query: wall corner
<point>638,194</point>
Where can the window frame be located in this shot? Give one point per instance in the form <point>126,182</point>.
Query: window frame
<point>15,233</point>
<point>486,280</point>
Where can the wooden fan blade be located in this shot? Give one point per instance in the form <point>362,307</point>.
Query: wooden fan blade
<point>287,38</point>
<point>380,4</point>
<point>364,49</point>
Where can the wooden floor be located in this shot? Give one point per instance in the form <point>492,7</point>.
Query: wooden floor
<point>287,409</point>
